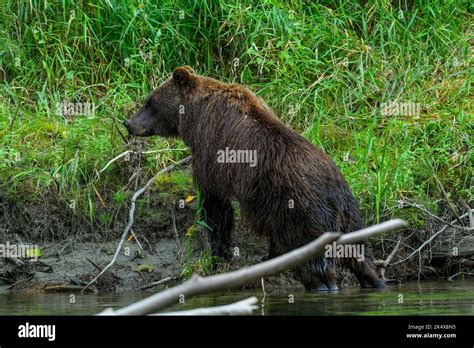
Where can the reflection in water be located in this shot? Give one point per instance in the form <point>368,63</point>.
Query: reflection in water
<point>425,298</point>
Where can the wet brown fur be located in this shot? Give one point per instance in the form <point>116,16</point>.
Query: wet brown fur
<point>289,169</point>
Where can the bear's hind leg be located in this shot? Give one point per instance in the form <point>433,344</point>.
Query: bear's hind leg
<point>220,218</point>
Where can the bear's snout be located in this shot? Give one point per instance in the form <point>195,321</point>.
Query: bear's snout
<point>126,123</point>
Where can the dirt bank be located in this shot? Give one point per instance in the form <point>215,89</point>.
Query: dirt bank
<point>170,246</point>
<point>161,248</point>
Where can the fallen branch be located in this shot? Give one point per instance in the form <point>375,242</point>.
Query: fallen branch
<point>387,261</point>
<point>94,264</point>
<point>448,200</point>
<point>123,154</point>
<point>198,285</point>
<point>244,307</point>
<point>158,282</point>
<point>62,288</point>
<point>404,204</point>
<point>15,261</point>
<point>455,275</point>
<point>429,240</point>
<point>471,217</point>
<point>132,212</point>
<point>136,239</point>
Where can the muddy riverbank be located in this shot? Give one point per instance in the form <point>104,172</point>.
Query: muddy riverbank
<point>169,244</point>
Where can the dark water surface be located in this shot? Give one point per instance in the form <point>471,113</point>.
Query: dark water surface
<point>424,298</point>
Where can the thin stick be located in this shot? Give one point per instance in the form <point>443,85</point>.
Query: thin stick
<point>158,282</point>
<point>446,197</point>
<point>94,264</point>
<point>263,297</point>
<point>471,218</point>
<point>14,117</point>
<point>392,254</point>
<point>123,154</point>
<point>455,275</point>
<point>136,239</point>
<point>198,285</point>
<point>389,258</point>
<point>426,211</point>
<point>131,215</point>
<point>428,241</point>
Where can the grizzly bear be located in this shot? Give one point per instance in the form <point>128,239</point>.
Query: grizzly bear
<point>288,190</point>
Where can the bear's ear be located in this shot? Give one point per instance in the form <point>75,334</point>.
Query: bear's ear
<point>188,68</point>
<point>184,77</point>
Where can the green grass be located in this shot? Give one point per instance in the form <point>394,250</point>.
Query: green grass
<point>325,68</point>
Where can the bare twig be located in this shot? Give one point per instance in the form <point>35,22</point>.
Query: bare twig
<point>136,239</point>
<point>404,204</point>
<point>15,261</point>
<point>264,296</point>
<point>62,288</point>
<point>428,241</point>
<point>12,121</point>
<point>388,259</point>
<point>123,154</point>
<point>392,254</point>
<point>471,218</point>
<point>132,212</point>
<point>175,230</point>
<point>199,285</point>
<point>448,200</point>
<point>159,282</point>
<point>459,273</point>
<point>114,124</point>
<point>94,264</point>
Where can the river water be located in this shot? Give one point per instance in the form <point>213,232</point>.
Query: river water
<point>412,298</point>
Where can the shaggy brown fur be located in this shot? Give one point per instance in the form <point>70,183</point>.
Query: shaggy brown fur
<point>294,193</point>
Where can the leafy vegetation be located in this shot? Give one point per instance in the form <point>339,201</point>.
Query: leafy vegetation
<point>326,68</point>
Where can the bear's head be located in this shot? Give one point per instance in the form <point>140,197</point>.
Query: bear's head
<point>161,112</point>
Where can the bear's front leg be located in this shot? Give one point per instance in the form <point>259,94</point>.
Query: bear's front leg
<point>219,216</point>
